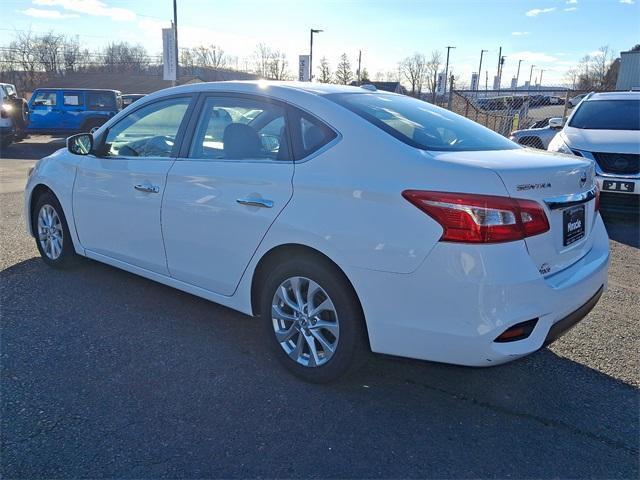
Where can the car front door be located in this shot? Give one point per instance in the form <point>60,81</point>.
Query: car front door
<point>117,197</point>
<point>226,189</point>
<point>45,112</point>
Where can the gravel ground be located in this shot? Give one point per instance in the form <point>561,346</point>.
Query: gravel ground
<point>106,374</point>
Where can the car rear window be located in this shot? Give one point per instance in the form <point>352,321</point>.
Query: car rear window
<point>607,115</point>
<point>420,124</point>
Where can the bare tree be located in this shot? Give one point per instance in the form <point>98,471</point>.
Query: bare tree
<point>433,67</point>
<point>325,71</point>
<point>278,65</point>
<point>124,57</point>
<point>211,56</point>
<point>343,74</point>
<point>414,69</point>
<point>71,54</point>
<point>261,58</point>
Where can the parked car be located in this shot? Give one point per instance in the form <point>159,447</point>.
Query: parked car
<point>574,101</point>
<point>406,229</point>
<point>538,136</point>
<point>129,98</point>
<point>605,128</point>
<point>14,115</point>
<point>71,110</point>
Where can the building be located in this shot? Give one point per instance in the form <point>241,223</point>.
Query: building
<point>629,74</point>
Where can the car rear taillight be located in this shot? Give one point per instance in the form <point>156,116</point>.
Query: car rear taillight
<point>474,218</point>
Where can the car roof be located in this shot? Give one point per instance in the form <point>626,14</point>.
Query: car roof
<point>614,96</point>
<point>55,89</point>
<point>263,86</point>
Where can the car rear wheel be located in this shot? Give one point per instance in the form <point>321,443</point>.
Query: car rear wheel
<point>313,320</point>
<point>52,233</point>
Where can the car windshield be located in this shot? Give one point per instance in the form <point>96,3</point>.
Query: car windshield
<point>607,115</point>
<point>420,124</point>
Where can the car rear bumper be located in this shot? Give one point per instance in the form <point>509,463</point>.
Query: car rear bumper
<point>455,305</point>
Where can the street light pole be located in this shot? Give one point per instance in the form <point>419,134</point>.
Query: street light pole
<point>480,68</point>
<point>446,71</point>
<point>531,75</point>
<point>518,74</point>
<point>541,72</point>
<point>313,30</point>
<point>175,33</point>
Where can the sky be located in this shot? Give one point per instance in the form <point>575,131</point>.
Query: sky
<point>551,34</point>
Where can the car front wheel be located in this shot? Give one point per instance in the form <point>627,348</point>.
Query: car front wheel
<point>313,320</point>
<point>52,233</point>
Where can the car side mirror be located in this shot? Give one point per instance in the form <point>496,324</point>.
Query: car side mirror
<point>556,122</point>
<point>80,144</point>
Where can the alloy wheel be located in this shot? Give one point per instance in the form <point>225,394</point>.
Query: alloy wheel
<point>305,321</point>
<point>50,233</point>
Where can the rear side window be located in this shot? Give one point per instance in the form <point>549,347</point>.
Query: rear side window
<point>44,99</point>
<point>71,99</point>
<point>420,124</point>
<point>101,101</point>
<point>607,115</point>
<point>310,134</point>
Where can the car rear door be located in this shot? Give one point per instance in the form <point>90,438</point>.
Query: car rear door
<point>226,189</point>
<point>117,198</point>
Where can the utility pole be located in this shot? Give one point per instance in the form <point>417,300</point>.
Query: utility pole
<point>480,68</point>
<point>175,33</point>
<point>518,74</point>
<point>313,30</point>
<point>446,71</point>
<point>359,66</point>
<point>498,71</point>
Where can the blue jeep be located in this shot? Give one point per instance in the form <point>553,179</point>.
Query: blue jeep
<point>71,110</point>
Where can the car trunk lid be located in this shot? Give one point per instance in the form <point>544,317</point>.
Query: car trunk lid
<point>564,185</point>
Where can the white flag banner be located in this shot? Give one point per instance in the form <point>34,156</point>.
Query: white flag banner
<point>169,54</point>
<point>303,68</point>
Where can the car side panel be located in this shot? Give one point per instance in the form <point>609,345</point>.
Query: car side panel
<point>58,173</point>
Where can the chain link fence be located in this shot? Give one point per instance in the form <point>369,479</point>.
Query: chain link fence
<point>507,110</point>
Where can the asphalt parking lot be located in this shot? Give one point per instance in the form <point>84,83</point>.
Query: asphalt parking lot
<point>106,374</point>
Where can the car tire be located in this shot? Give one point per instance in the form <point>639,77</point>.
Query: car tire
<point>340,325</point>
<point>51,232</point>
<point>91,124</point>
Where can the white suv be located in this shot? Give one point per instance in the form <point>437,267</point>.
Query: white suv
<point>14,115</point>
<point>605,127</point>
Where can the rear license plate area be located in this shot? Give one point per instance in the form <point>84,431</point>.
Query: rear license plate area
<point>572,225</point>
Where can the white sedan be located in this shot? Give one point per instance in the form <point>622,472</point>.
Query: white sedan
<point>346,219</point>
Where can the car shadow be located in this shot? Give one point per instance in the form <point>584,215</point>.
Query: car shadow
<point>623,228</point>
<point>33,148</point>
<point>116,356</point>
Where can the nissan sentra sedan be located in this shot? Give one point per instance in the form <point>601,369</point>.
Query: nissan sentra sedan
<point>345,219</point>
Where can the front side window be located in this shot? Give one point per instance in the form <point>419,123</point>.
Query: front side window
<point>420,124</point>
<point>607,115</point>
<point>102,101</point>
<point>44,99</point>
<point>240,128</point>
<point>149,131</point>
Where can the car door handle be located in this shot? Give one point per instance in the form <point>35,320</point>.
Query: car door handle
<point>256,202</point>
<point>147,188</point>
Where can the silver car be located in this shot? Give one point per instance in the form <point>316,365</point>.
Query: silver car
<point>538,137</point>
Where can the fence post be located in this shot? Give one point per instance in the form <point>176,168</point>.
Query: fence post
<point>466,108</point>
<point>486,119</point>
